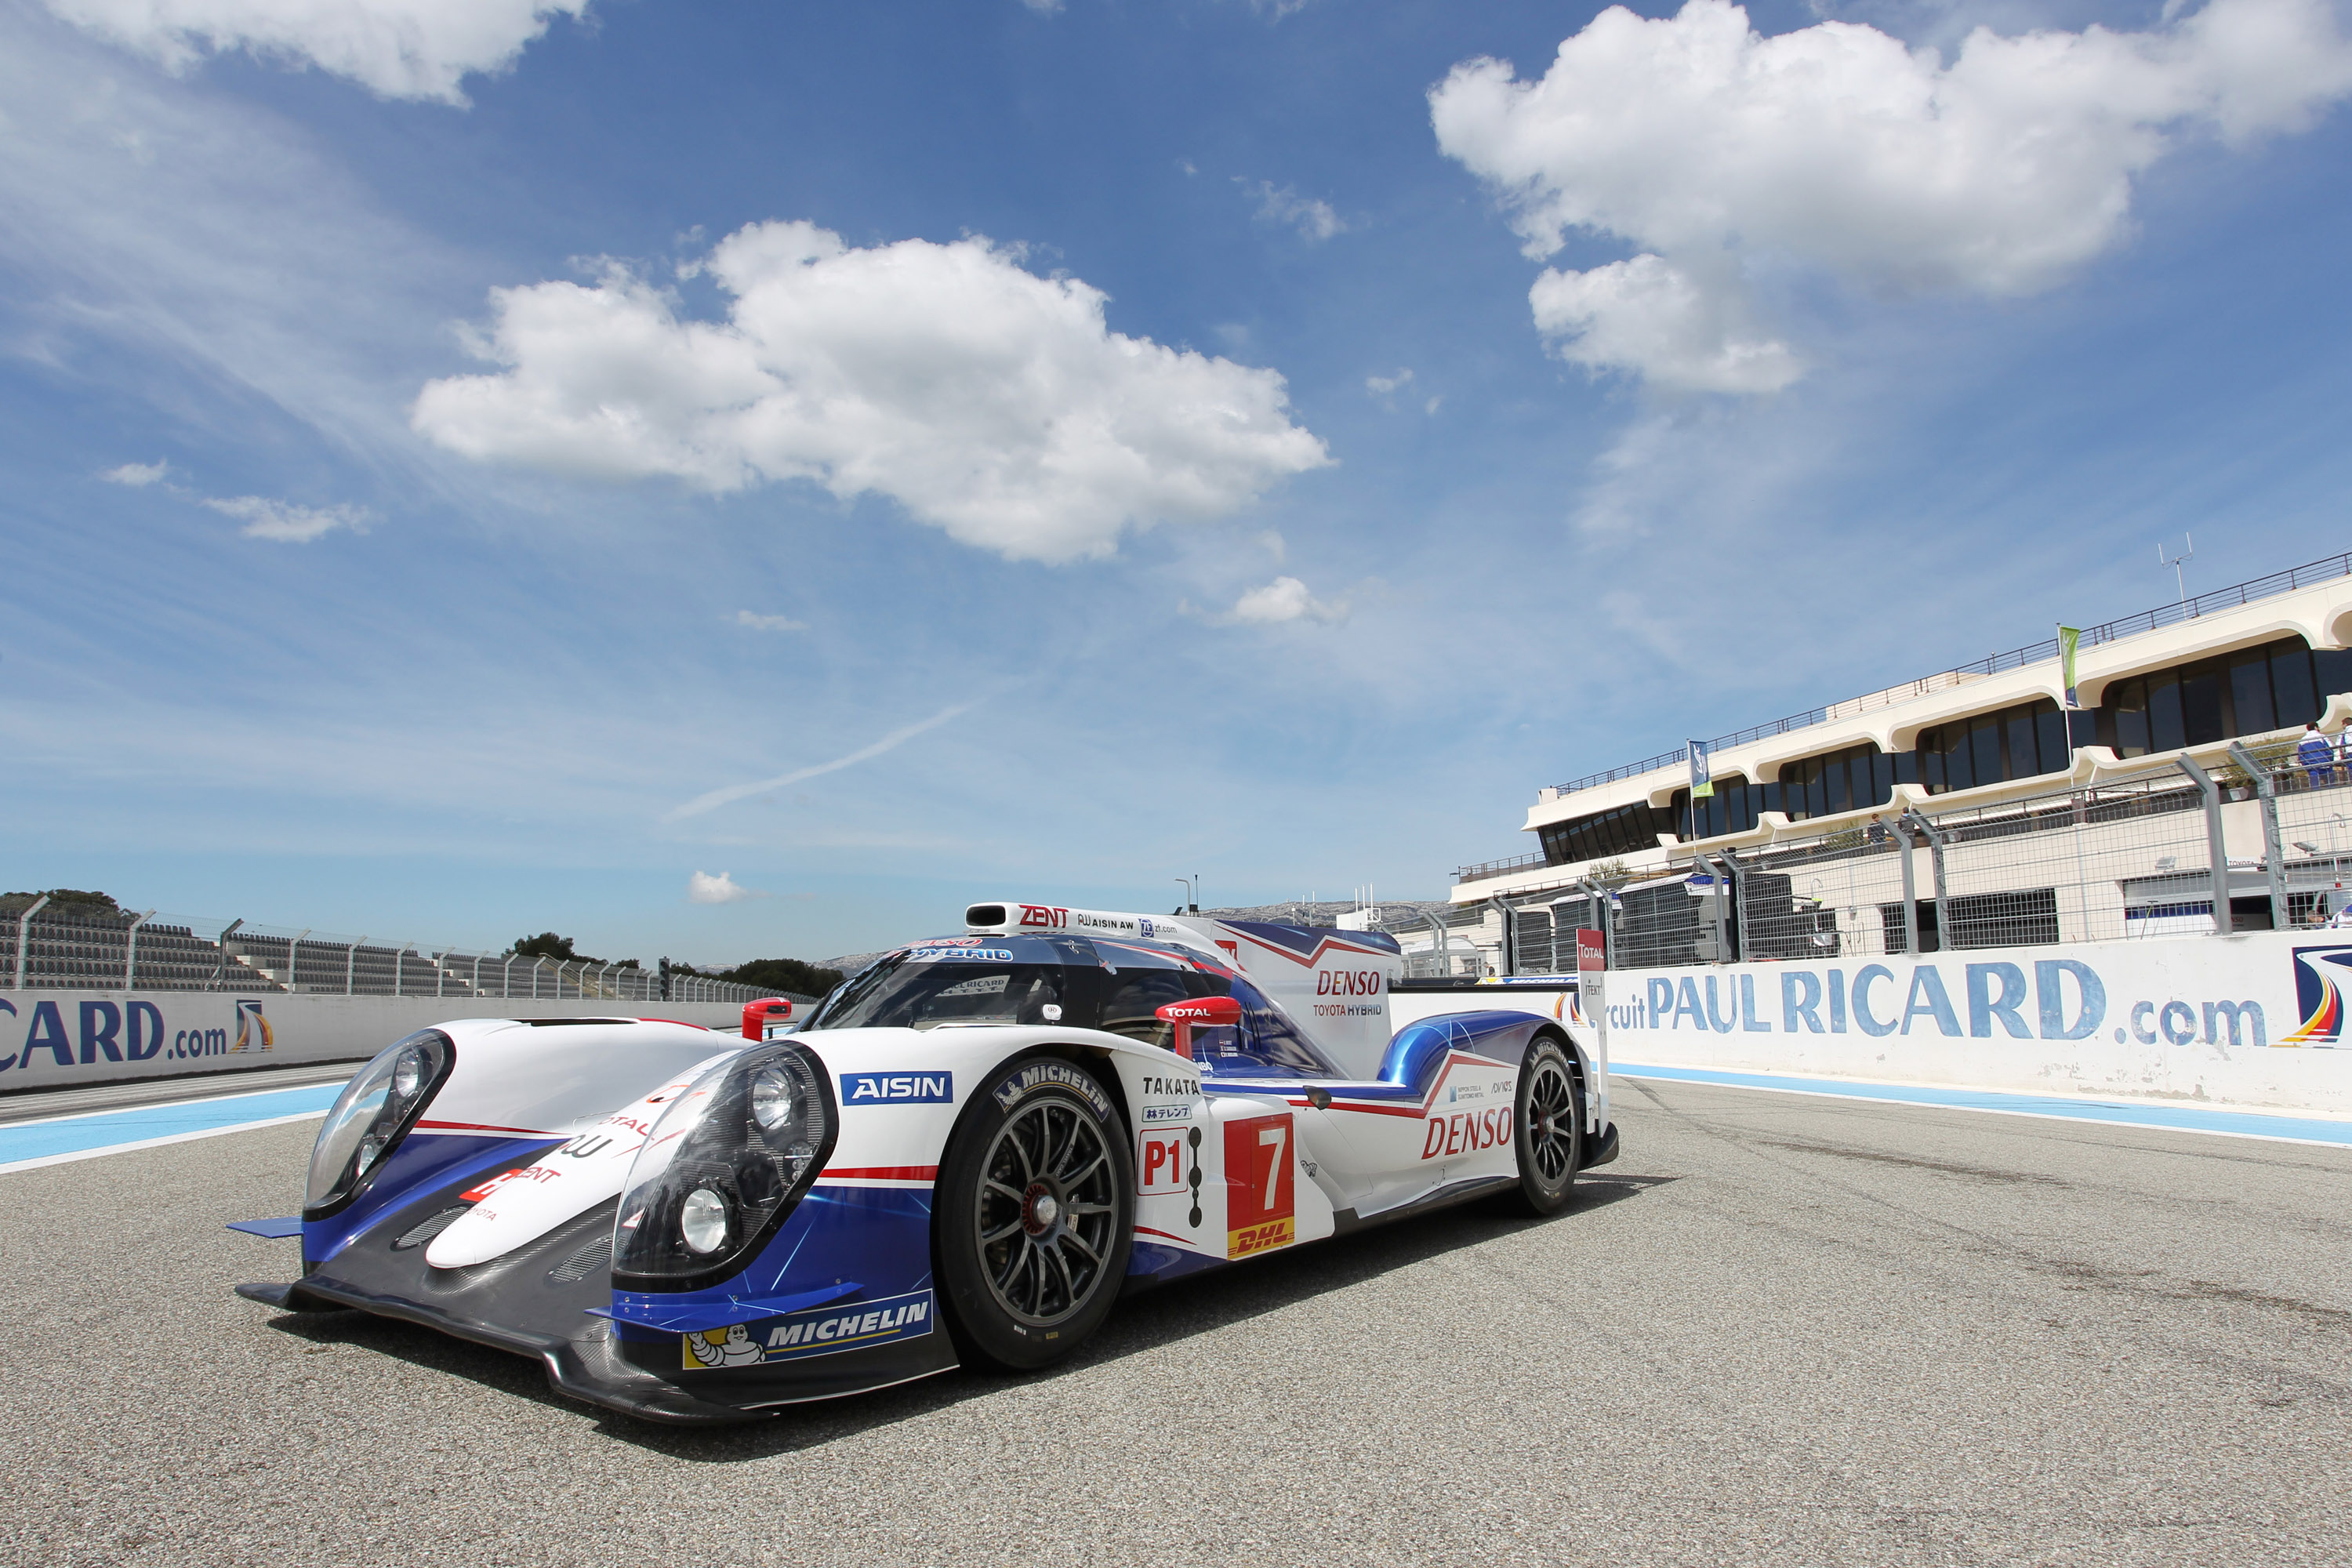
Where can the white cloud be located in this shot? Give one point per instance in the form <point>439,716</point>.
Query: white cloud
<point>1312,219</point>
<point>983,398</point>
<point>1284,599</point>
<point>702,888</point>
<point>1702,144</point>
<point>398,48</point>
<point>1382,385</point>
<point>758,622</point>
<point>138,476</point>
<point>286,523</point>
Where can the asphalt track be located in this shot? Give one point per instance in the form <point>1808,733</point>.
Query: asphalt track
<point>1781,1328</point>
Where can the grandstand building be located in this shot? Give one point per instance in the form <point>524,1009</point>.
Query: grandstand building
<point>1809,835</point>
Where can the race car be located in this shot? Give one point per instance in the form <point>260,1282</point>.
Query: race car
<point>963,1156</point>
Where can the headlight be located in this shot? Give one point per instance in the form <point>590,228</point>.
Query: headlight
<point>725,1165</point>
<point>374,1111</point>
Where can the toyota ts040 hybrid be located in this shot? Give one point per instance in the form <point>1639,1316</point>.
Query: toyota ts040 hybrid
<point>964,1155</point>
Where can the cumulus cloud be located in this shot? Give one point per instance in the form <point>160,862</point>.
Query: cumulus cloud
<point>985,399</point>
<point>138,476</point>
<point>286,523</point>
<point>1314,220</point>
<point>1702,144</point>
<point>398,48</point>
<point>702,888</point>
<point>1284,599</point>
<point>758,622</point>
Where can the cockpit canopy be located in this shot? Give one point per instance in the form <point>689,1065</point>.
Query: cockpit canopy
<point>1086,983</point>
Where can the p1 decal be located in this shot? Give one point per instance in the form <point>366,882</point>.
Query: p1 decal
<point>896,1088</point>
<point>2320,975</point>
<point>821,1332</point>
<point>1261,1199</point>
<point>1466,1132</point>
<point>1163,1160</point>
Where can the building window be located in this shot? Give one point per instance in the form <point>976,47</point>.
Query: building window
<point>1858,778</point>
<point>1604,835</point>
<point>1993,748</point>
<point>2278,686</point>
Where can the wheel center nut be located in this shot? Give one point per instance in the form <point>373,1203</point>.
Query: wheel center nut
<point>1040,1210</point>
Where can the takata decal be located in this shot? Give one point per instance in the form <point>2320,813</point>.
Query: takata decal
<point>977,955</point>
<point>821,1332</point>
<point>1038,1075</point>
<point>2320,975</point>
<point>1261,1195</point>
<point>896,1088</point>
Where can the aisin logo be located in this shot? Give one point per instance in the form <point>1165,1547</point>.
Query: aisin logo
<point>2320,975</point>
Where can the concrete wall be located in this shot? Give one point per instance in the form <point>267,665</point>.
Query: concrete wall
<point>50,1038</point>
<point>2254,1021</point>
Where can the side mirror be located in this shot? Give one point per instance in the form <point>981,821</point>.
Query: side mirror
<point>1200,1012</point>
<point>760,1016</point>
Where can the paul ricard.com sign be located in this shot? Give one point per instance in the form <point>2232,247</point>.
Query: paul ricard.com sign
<point>2255,1020</point>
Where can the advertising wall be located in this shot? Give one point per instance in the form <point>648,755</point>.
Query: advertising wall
<point>52,1038</point>
<point>2254,1020</point>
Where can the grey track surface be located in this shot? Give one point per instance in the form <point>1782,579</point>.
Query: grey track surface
<point>1779,1330</point>
<point>28,1107</point>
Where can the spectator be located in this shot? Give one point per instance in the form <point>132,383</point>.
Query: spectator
<point>1876,834</point>
<point>2316,755</point>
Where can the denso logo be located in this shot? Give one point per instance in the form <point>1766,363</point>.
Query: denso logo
<point>1348,983</point>
<point>898,1087</point>
<point>1044,917</point>
<point>1466,1132</point>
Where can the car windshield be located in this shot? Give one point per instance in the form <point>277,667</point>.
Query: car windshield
<point>925,987</point>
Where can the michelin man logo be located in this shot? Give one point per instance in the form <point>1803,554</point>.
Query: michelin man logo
<point>730,1346</point>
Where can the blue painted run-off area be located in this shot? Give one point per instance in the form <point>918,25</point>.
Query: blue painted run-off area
<point>105,1129</point>
<point>2116,1113</point>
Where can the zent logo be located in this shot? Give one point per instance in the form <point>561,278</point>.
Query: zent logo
<point>898,1089</point>
<point>1044,917</point>
<point>1261,1199</point>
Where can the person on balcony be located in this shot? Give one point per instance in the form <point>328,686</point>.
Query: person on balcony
<point>2317,756</point>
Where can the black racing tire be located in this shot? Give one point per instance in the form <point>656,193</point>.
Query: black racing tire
<point>1547,1131</point>
<point>1033,1215</point>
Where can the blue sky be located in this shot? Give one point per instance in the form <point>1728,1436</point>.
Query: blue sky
<point>1151,438</point>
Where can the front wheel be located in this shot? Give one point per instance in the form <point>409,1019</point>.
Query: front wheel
<point>1548,1131</point>
<point>1034,1215</point>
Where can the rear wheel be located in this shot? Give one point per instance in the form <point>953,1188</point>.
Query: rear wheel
<point>1548,1131</point>
<point>1034,1216</point>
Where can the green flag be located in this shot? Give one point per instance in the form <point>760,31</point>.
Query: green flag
<point>2068,637</point>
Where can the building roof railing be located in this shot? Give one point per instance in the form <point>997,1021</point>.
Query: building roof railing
<point>2170,615</point>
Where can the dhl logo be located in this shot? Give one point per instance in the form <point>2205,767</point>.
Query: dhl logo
<point>1260,1238</point>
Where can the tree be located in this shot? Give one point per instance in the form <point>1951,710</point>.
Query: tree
<point>784,974</point>
<point>547,944</point>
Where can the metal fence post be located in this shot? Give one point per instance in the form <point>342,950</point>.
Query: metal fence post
<point>399,956</point>
<point>440,972</point>
<point>1910,883</point>
<point>25,935</point>
<point>220,951</point>
<point>2274,858</point>
<point>1508,953</point>
<point>351,967</point>
<point>1943,942</point>
<point>2222,923</point>
<point>476,983</point>
<point>1718,892</point>
<point>1739,907</point>
<point>293,958</point>
<point>131,952</point>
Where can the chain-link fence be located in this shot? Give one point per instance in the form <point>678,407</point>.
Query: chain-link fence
<point>2129,858</point>
<point>77,946</point>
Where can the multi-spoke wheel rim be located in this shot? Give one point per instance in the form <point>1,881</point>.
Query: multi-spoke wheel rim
<point>1047,1209</point>
<point>1551,1122</point>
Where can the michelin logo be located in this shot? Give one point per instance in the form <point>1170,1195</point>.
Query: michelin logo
<point>898,1089</point>
<point>803,1334</point>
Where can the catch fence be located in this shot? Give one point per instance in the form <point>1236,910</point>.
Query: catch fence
<point>2131,857</point>
<point>47,944</point>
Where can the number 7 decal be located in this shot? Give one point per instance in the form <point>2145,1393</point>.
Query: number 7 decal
<point>1261,1202</point>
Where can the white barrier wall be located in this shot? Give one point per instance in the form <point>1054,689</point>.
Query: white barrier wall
<point>2254,1020</point>
<point>50,1038</point>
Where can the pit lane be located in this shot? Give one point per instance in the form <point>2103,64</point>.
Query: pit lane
<point>1779,1330</point>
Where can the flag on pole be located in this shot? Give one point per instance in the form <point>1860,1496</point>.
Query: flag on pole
<point>1702,779</point>
<point>2068,639</point>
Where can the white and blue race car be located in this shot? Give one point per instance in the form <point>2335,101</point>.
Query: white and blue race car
<point>964,1156</point>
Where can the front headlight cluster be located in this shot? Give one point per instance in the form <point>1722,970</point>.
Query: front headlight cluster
<point>723,1167</point>
<point>374,1111</point>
